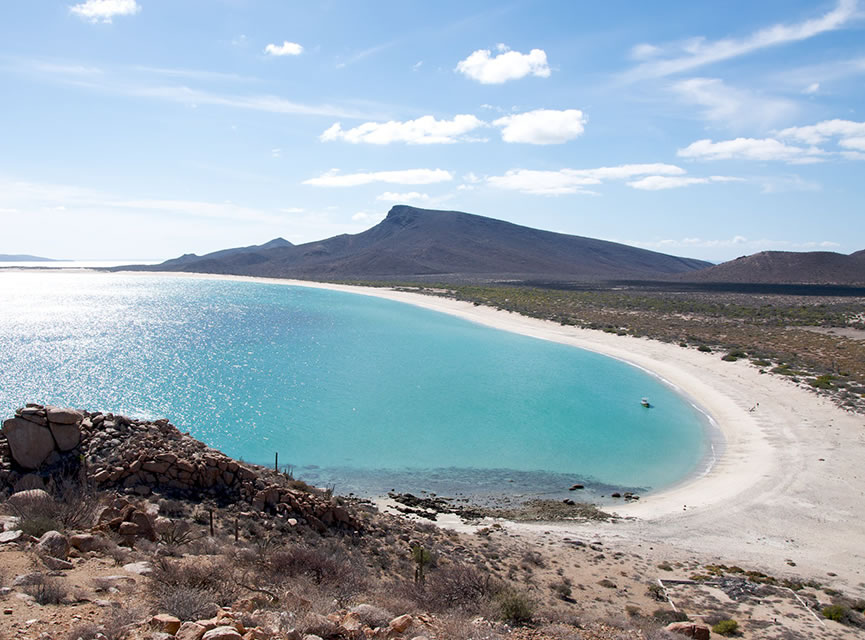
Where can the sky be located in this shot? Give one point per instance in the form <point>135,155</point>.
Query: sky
<point>145,129</point>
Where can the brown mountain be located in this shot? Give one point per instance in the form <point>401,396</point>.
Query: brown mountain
<point>445,245</point>
<point>786,267</point>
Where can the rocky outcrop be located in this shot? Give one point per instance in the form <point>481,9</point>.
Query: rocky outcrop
<point>141,457</point>
<point>689,630</point>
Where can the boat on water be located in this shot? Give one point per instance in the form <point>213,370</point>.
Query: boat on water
<point>645,402</point>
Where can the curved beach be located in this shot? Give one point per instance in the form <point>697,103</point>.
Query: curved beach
<point>787,485</point>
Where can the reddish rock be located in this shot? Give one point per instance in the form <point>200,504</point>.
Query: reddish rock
<point>165,623</point>
<point>689,630</point>
<point>401,623</point>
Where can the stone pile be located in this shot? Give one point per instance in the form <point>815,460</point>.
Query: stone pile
<point>141,457</point>
<point>354,623</point>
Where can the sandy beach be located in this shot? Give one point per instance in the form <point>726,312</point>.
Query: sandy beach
<point>787,487</point>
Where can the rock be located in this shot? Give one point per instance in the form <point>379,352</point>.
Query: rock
<point>84,542</point>
<point>190,631</point>
<point>145,526</point>
<point>31,499</point>
<point>29,443</point>
<point>575,487</point>
<point>401,623</point>
<point>66,436</point>
<point>63,416</point>
<point>128,529</point>
<point>351,622</point>
<point>56,564</point>
<point>11,536</point>
<point>138,568</point>
<point>222,633</point>
<point>165,623</point>
<point>54,544</point>
<point>689,630</point>
<point>28,579</point>
<point>27,482</point>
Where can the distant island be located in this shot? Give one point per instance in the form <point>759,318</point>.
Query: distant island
<point>19,257</point>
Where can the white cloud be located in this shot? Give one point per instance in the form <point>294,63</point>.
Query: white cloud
<point>406,176</point>
<point>699,51</point>
<point>104,10</point>
<point>285,49</point>
<point>854,143</point>
<point>508,65</point>
<point>542,126</point>
<point>733,107</point>
<point>644,51</point>
<point>822,131</point>
<point>765,149</point>
<point>366,216</point>
<point>423,130</point>
<point>566,181</point>
<point>657,183</point>
<point>390,196</point>
<point>812,88</point>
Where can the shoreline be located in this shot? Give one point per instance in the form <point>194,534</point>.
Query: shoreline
<point>787,491</point>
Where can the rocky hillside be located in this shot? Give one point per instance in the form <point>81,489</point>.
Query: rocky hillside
<point>412,243</point>
<point>112,452</point>
<point>786,267</point>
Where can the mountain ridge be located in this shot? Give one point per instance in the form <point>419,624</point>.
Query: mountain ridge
<point>426,243</point>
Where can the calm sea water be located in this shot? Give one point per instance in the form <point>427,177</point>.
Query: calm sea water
<point>363,393</point>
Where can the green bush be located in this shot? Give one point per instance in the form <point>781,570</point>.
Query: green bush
<point>835,612</point>
<point>726,628</point>
<point>515,607</point>
<point>704,349</point>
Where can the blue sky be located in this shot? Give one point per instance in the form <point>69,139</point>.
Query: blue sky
<point>149,128</point>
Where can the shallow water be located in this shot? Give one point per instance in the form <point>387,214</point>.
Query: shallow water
<point>359,392</point>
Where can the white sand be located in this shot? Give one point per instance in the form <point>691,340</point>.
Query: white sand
<point>789,481</point>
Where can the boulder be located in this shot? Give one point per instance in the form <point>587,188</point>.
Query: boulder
<point>29,443</point>
<point>689,630</point>
<point>11,536</point>
<point>56,564</point>
<point>165,623</point>
<point>84,541</point>
<point>401,623</point>
<point>30,499</point>
<point>58,415</point>
<point>67,436</point>
<point>141,568</point>
<point>54,544</point>
<point>27,482</point>
<point>222,633</point>
<point>190,631</point>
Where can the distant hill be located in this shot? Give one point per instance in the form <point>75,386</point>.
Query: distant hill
<point>786,267</point>
<point>17,257</point>
<point>443,245</point>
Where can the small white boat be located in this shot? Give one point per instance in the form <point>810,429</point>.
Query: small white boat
<point>645,403</point>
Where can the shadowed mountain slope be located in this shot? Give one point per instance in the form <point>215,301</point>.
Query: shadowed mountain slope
<point>412,242</point>
<point>786,267</point>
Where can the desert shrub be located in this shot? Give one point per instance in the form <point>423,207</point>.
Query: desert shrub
<point>461,627</point>
<point>704,349</point>
<point>562,589</point>
<point>46,591</point>
<point>195,590</point>
<point>534,559</point>
<point>187,603</point>
<point>836,612</point>
<point>514,607</point>
<point>457,587</point>
<point>726,628</point>
<point>666,616</point>
<point>37,525</point>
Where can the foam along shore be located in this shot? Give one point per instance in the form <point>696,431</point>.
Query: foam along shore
<point>787,484</point>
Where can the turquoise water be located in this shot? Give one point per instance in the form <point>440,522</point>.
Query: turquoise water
<point>363,393</point>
